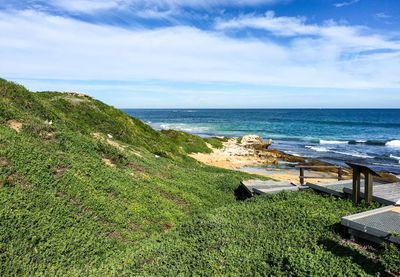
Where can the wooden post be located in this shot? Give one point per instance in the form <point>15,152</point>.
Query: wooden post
<point>340,174</point>
<point>301,176</point>
<point>356,185</point>
<point>368,187</point>
<point>368,173</point>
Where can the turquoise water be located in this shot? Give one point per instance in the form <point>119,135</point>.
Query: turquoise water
<point>369,136</point>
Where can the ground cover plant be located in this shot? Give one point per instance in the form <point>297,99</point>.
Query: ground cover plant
<point>87,190</point>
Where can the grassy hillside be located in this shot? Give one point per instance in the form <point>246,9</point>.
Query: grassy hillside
<point>86,189</point>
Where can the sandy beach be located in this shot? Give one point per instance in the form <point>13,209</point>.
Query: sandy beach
<point>250,156</point>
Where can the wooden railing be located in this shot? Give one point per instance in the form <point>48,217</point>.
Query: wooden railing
<point>302,176</point>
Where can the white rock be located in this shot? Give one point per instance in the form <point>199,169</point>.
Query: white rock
<point>109,136</point>
<point>156,156</point>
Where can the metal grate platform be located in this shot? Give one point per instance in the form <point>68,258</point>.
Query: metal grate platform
<point>378,224</point>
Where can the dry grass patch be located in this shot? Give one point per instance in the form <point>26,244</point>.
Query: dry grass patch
<point>15,125</point>
<point>108,162</point>
<point>3,162</point>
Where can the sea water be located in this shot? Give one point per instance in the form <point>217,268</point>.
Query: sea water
<point>368,136</point>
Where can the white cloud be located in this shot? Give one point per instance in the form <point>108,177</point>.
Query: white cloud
<point>37,45</point>
<point>346,37</point>
<point>383,15</point>
<point>91,6</point>
<point>85,5</point>
<point>346,3</point>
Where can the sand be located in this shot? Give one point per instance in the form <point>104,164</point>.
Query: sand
<point>232,156</point>
<point>237,157</point>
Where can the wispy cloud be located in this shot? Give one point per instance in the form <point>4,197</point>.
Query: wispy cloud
<point>87,6</point>
<point>383,15</point>
<point>352,38</point>
<point>346,3</point>
<point>38,45</point>
<point>93,6</point>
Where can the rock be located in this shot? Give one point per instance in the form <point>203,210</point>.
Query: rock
<point>109,136</point>
<point>255,142</point>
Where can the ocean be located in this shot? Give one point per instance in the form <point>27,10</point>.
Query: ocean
<point>367,136</point>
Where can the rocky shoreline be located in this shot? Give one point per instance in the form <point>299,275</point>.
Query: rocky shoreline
<point>251,152</point>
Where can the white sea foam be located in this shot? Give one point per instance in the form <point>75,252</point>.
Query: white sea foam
<point>355,154</point>
<point>393,143</point>
<point>318,148</point>
<point>293,153</point>
<point>184,127</point>
<point>333,142</point>
<point>361,141</point>
<point>350,153</point>
<point>395,157</point>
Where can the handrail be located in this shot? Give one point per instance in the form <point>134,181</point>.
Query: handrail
<point>302,167</point>
<point>317,166</point>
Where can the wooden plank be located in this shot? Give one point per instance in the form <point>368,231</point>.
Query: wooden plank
<point>355,196</point>
<point>368,187</point>
<point>317,166</point>
<point>340,173</point>
<point>362,168</point>
<point>275,190</point>
<point>301,176</point>
<point>335,188</point>
<point>254,185</point>
<point>317,177</point>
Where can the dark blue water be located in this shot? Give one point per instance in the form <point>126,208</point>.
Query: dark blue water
<point>369,136</point>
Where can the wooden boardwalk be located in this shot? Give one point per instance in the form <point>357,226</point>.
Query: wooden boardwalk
<point>376,225</point>
<point>387,194</point>
<point>257,187</point>
<point>334,188</point>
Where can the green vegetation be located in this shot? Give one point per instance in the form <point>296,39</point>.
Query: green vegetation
<point>188,142</point>
<point>192,143</point>
<point>86,189</point>
<point>215,142</point>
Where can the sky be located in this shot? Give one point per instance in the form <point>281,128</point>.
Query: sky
<point>207,54</point>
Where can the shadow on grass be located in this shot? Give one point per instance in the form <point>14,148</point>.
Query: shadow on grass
<point>370,266</point>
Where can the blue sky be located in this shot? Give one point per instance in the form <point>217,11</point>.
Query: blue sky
<point>207,54</point>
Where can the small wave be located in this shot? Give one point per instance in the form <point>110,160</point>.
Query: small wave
<point>368,142</point>
<point>333,142</point>
<point>352,153</point>
<point>393,143</point>
<point>318,148</point>
<point>293,154</point>
<point>395,157</point>
<point>361,141</point>
<point>183,127</point>
<point>355,154</point>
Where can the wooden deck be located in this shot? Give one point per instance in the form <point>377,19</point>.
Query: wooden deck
<point>257,187</point>
<point>387,194</point>
<point>334,188</point>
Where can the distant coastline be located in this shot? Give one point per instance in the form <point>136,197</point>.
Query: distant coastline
<point>370,136</point>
